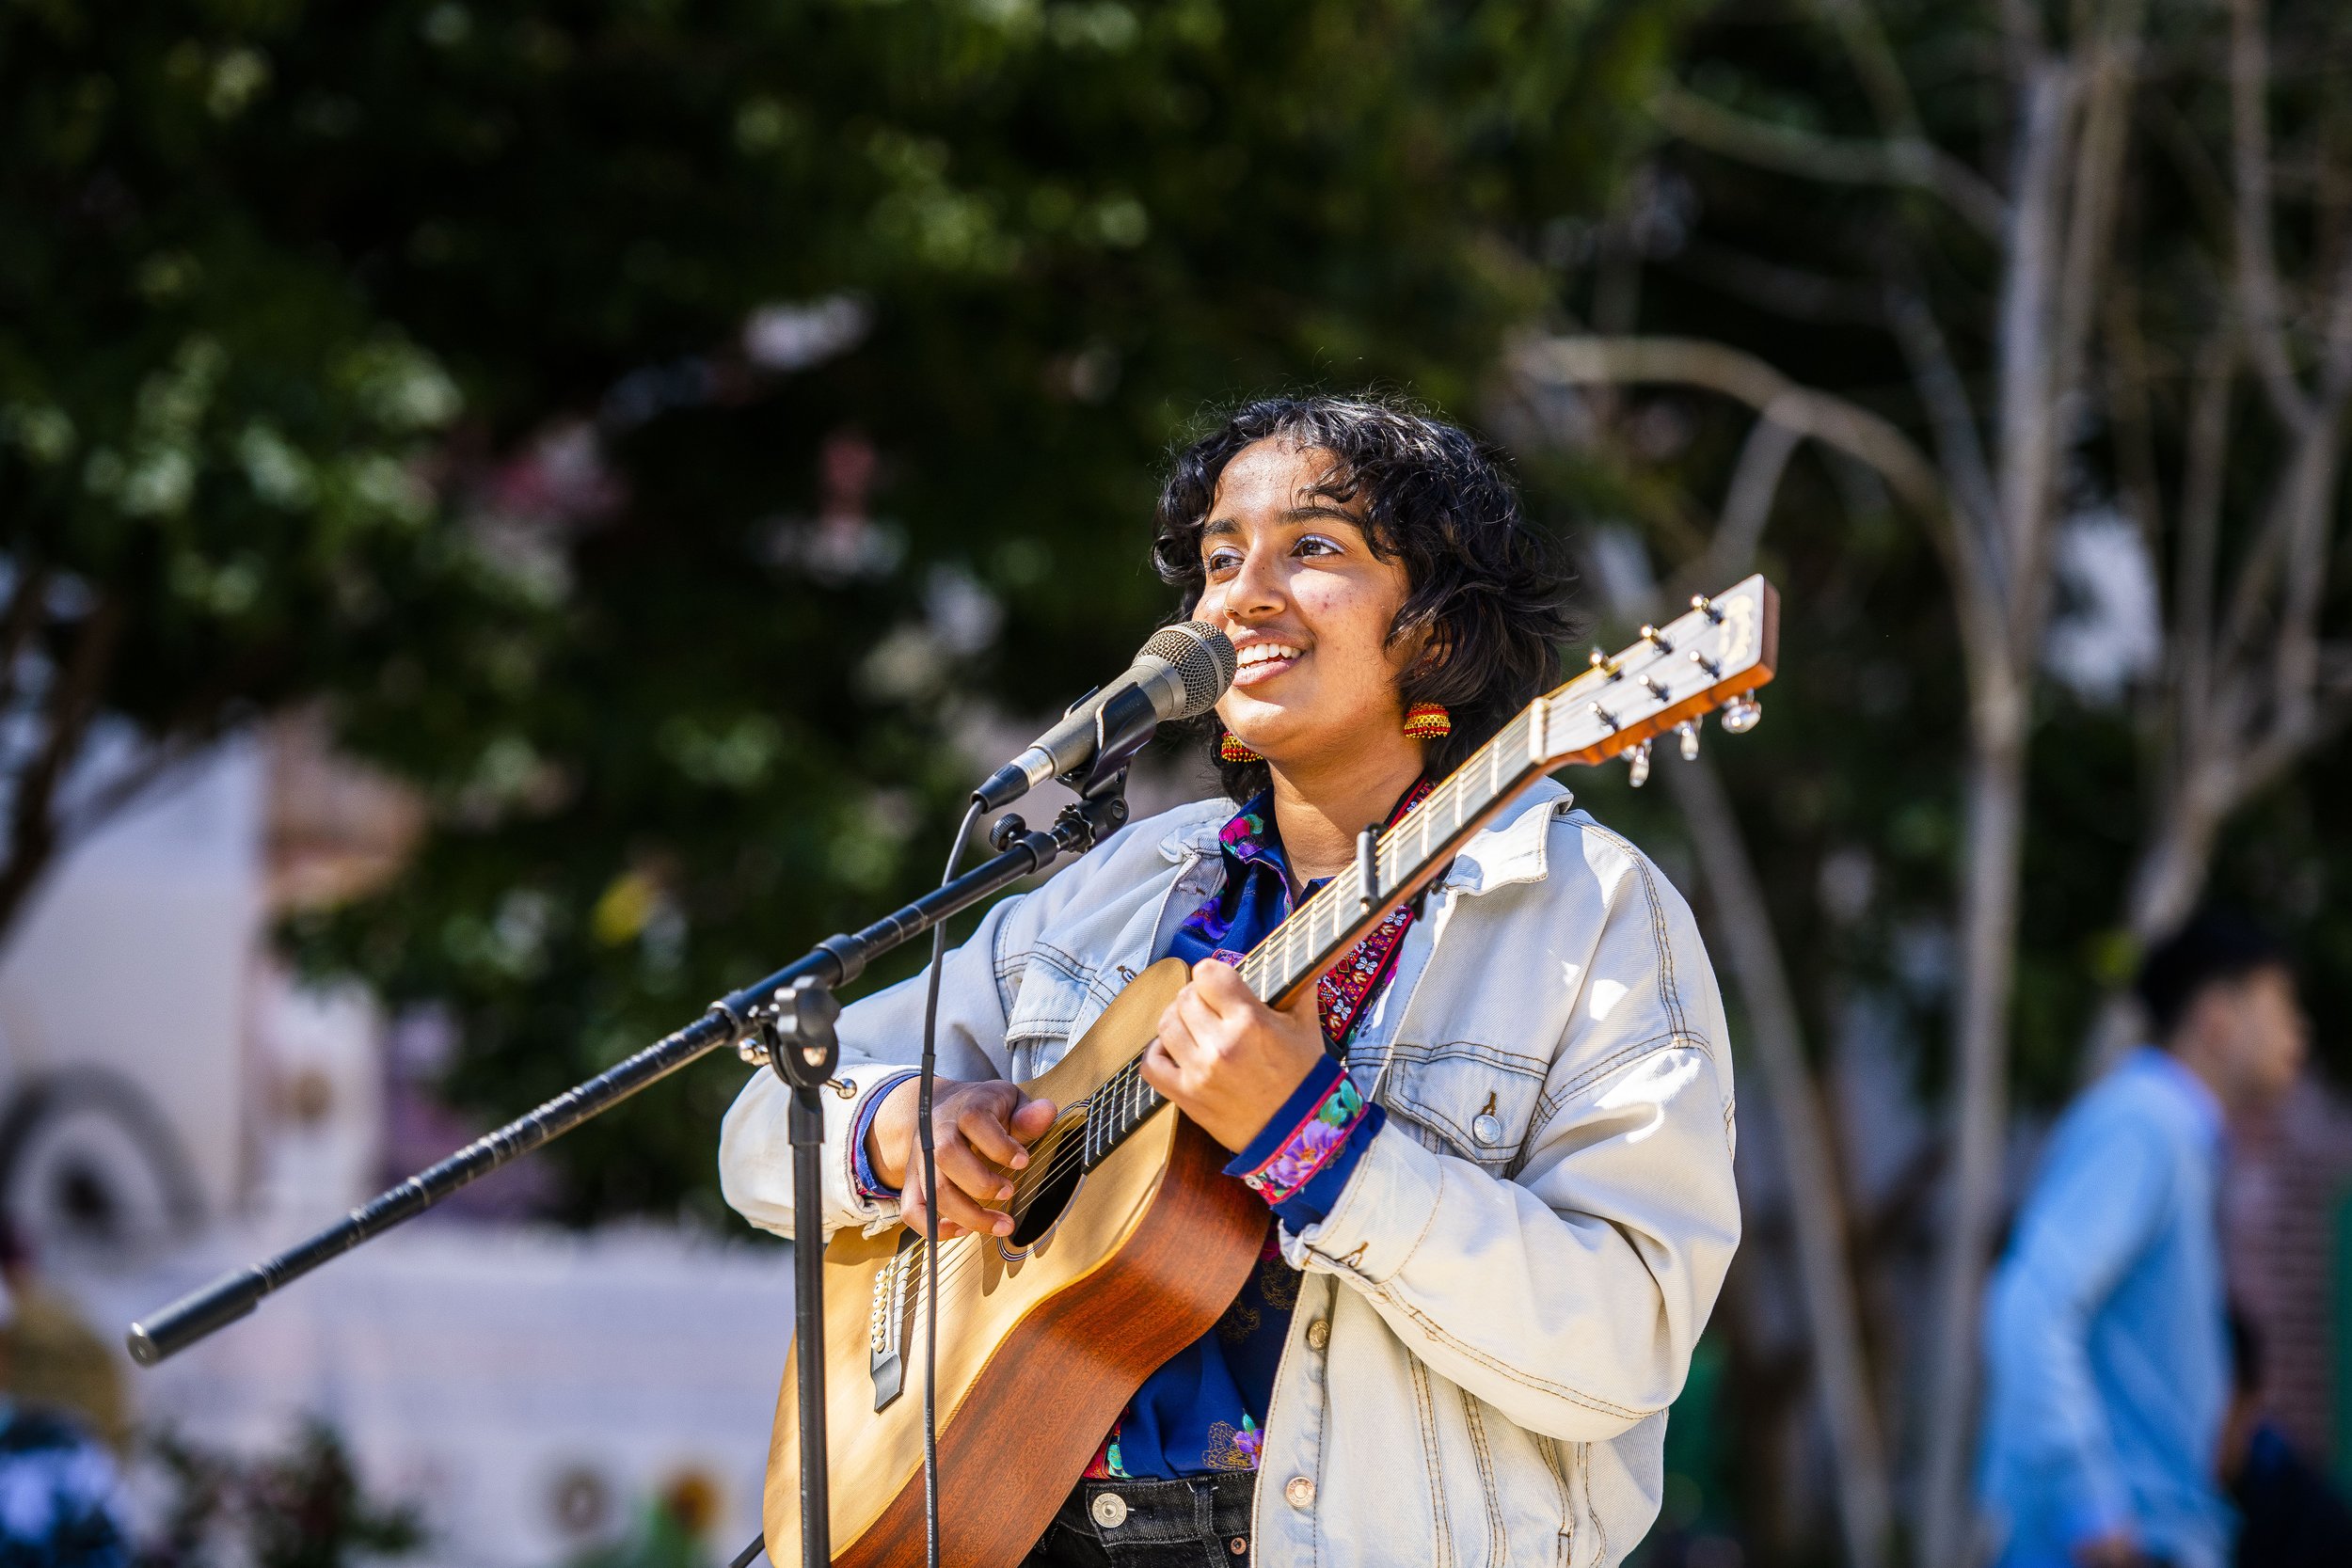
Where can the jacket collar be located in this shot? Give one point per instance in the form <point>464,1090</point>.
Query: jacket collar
<point>1511,850</point>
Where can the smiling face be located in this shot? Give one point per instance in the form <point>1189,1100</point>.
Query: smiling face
<point>1292,579</point>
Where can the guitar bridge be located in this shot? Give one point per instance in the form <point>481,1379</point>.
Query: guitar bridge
<point>894,1286</point>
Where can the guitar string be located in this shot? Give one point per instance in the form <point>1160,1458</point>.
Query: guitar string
<point>1326,904</point>
<point>1388,852</point>
<point>1327,901</point>
<point>1075,1142</point>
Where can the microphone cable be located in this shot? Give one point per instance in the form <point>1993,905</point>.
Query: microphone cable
<point>925,1139</point>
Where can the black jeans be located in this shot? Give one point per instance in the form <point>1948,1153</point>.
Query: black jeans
<point>1198,1521</point>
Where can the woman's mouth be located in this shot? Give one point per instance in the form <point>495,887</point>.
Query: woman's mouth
<point>1262,661</point>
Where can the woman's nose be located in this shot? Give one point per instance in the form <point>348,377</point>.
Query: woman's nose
<point>1256,589</point>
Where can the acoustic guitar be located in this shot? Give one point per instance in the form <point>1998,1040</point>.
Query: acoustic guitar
<point>1129,1242</point>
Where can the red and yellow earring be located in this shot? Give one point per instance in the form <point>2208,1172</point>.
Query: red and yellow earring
<point>1231,750</point>
<point>1428,721</point>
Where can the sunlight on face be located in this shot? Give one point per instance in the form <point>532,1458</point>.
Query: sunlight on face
<point>1291,581</point>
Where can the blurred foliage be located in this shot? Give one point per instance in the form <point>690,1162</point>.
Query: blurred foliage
<point>659,427</point>
<point>303,1508</point>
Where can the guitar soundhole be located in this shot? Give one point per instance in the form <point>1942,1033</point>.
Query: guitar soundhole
<point>1047,1204</point>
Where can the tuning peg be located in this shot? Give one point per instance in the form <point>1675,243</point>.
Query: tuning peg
<point>1742,713</point>
<point>1656,639</point>
<point>1637,763</point>
<point>1705,606</point>
<point>1689,731</point>
<point>1603,663</point>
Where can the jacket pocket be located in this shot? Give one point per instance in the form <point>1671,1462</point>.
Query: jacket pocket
<point>1466,1097</point>
<point>1056,989</point>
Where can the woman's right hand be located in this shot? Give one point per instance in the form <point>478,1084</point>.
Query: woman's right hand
<point>981,1133</point>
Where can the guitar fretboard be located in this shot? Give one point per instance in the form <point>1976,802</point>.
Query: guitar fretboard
<point>1340,911</point>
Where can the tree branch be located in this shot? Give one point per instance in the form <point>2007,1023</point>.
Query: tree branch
<point>1866,436</point>
<point>2026,387</point>
<point>73,703</point>
<point>1946,399</point>
<point>16,629</point>
<point>2257,267</point>
<point>1875,63</point>
<point>1748,503</point>
<point>1833,160</point>
<point>1784,290</point>
<point>2202,471</point>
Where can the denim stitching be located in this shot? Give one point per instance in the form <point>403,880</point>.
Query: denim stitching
<point>1548,1450</point>
<point>1441,1548</point>
<point>1498,1539</point>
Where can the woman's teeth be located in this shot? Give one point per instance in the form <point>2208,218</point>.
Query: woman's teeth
<point>1264,653</point>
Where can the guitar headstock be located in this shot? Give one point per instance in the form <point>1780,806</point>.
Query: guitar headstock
<point>1712,657</point>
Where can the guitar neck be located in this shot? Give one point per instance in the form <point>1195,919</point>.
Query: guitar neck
<point>1344,910</point>
<point>1410,856</point>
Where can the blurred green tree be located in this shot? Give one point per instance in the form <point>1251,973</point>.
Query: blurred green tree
<point>661,428</point>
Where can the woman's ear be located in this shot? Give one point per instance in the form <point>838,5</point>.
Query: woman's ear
<point>1430,657</point>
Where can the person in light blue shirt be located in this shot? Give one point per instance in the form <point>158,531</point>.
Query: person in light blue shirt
<point>2105,1330</point>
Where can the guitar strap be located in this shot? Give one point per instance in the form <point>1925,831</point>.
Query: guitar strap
<point>1347,985</point>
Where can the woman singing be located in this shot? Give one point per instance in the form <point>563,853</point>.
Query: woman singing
<point>1496,1139</point>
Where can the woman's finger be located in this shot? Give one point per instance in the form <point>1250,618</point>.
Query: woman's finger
<point>957,1211</point>
<point>1222,987</point>
<point>968,1173</point>
<point>1201,1021</point>
<point>1160,1069</point>
<point>982,1126</point>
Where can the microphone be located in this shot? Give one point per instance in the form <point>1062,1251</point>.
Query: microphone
<point>1181,672</point>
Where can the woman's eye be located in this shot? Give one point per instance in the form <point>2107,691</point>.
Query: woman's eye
<point>1316,544</point>
<point>1222,560</point>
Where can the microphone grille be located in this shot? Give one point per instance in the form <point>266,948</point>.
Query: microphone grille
<point>1203,658</point>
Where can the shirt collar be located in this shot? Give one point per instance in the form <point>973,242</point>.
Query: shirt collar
<point>2203,1106</point>
<point>1250,838</point>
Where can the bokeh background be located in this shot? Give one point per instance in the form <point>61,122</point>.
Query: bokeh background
<point>520,518</point>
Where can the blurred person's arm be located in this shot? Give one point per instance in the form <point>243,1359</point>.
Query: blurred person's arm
<point>2089,1218</point>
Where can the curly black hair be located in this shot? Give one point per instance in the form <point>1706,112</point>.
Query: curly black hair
<point>1483,583</point>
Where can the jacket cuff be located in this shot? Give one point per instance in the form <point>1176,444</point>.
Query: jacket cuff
<point>862,1181</point>
<point>1301,1160</point>
<point>1379,1218</point>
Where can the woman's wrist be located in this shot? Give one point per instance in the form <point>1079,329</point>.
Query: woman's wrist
<point>887,1140</point>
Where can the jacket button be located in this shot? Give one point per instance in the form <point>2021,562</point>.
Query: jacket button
<point>1299,1492</point>
<point>1238,1546</point>
<point>1487,1129</point>
<point>1109,1510</point>
<point>1318,1333</point>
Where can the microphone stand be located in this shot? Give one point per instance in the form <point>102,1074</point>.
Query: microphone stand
<point>785,1022</point>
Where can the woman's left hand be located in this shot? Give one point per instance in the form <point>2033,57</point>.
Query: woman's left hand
<point>1226,1058</point>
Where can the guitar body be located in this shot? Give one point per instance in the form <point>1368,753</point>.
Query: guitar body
<point>1040,1346</point>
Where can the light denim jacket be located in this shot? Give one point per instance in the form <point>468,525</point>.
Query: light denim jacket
<point>2104,1332</point>
<point>1514,1277</point>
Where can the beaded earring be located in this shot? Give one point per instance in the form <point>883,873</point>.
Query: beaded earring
<point>1428,721</point>
<point>1232,748</point>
